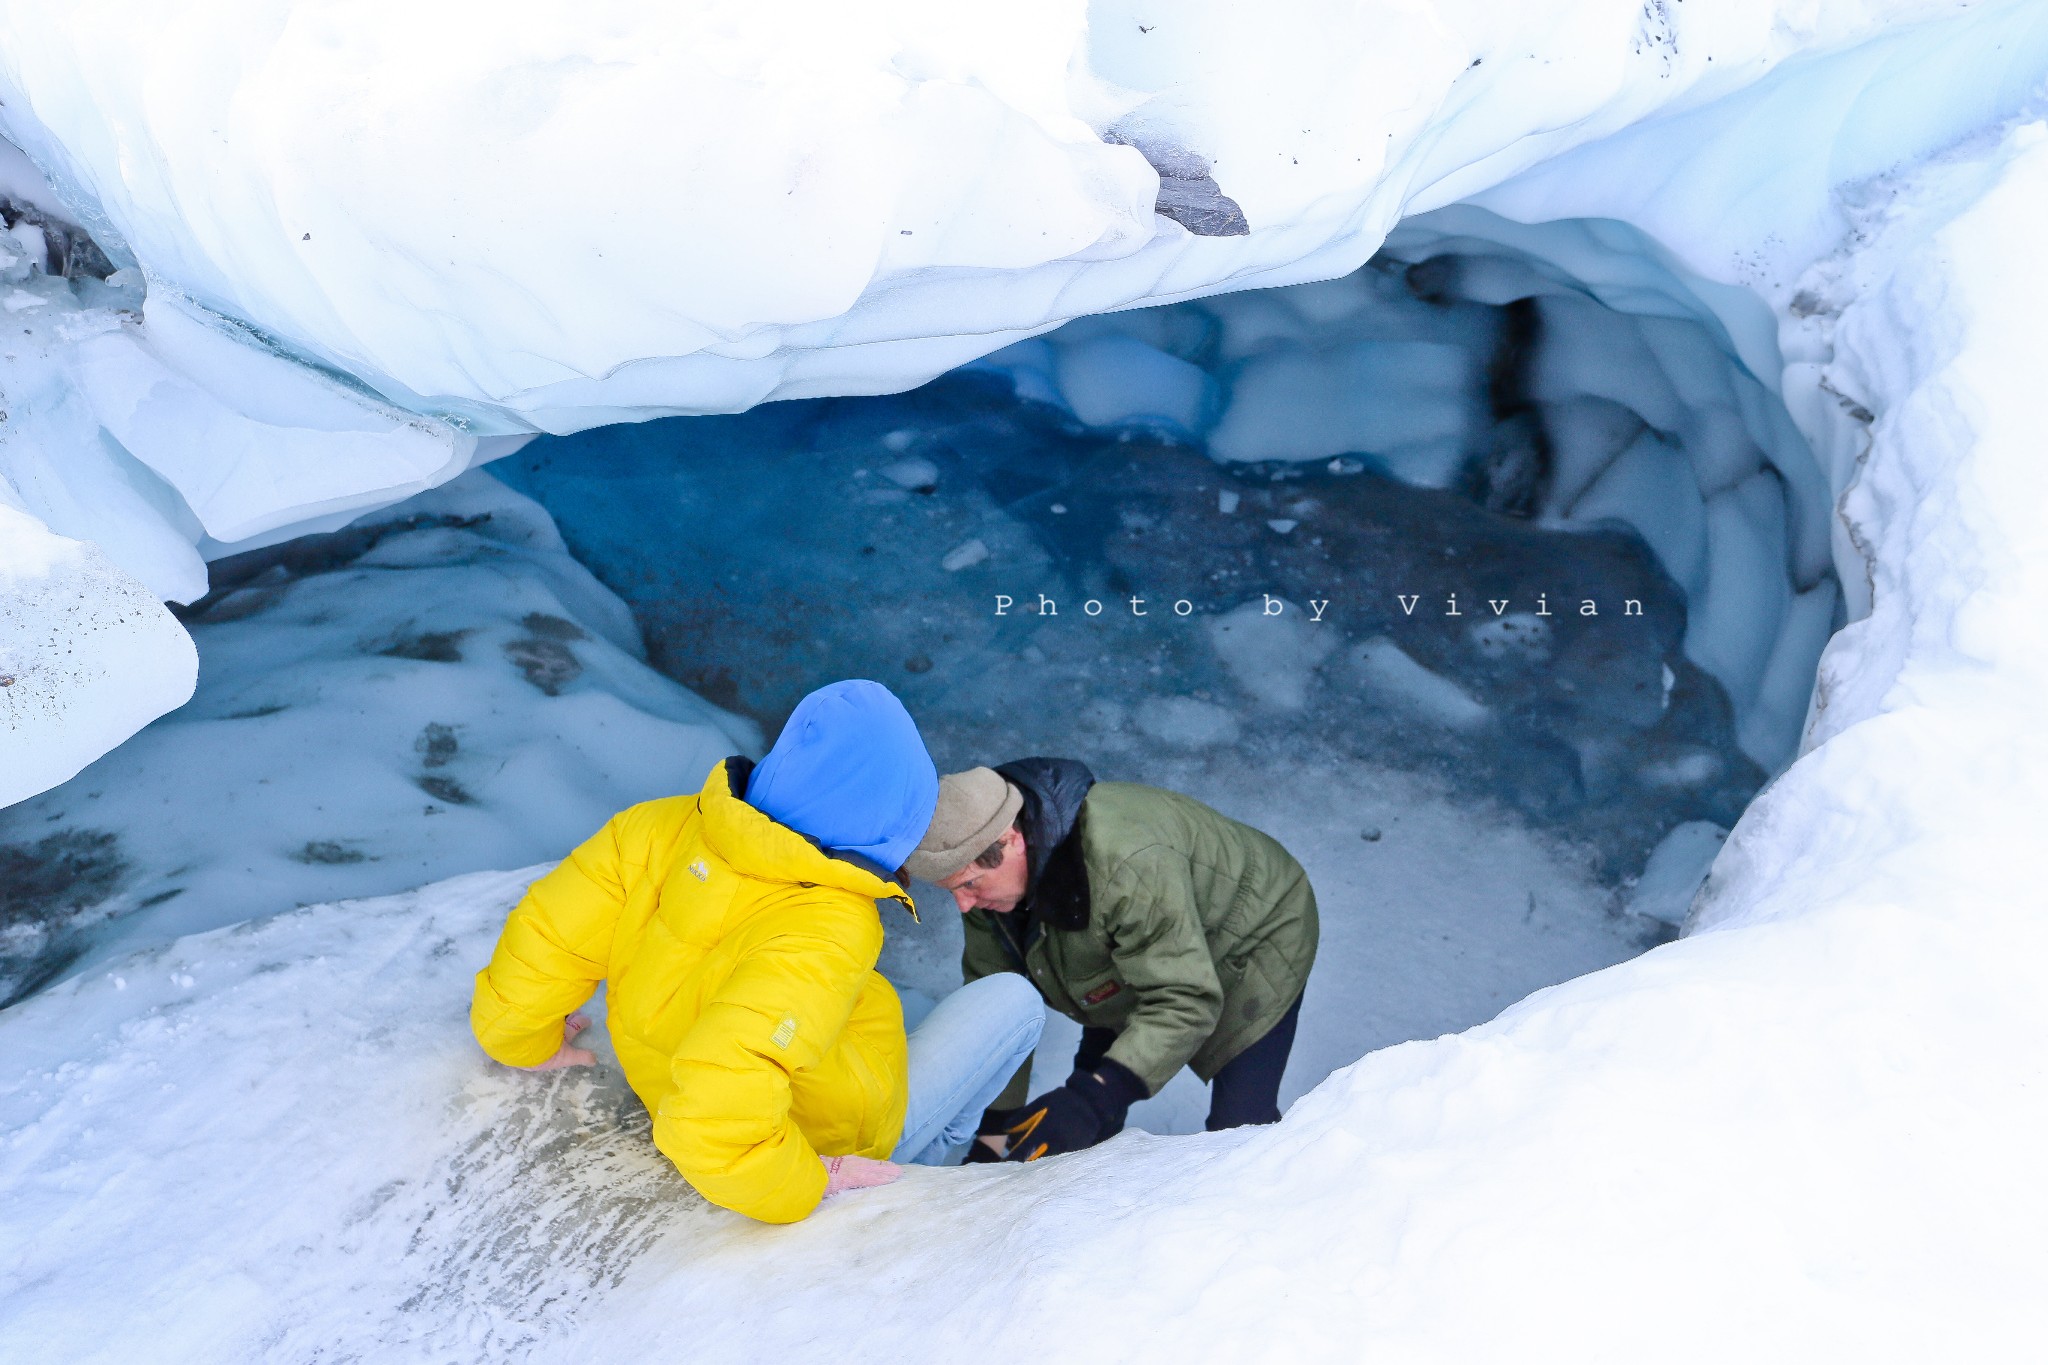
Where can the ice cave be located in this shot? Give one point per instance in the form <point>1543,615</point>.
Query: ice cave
<point>1566,470</point>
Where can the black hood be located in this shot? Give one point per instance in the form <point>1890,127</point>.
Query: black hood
<point>1053,790</point>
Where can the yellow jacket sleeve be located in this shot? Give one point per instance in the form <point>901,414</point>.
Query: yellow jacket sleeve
<point>727,1123</point>
<point>555,948</point>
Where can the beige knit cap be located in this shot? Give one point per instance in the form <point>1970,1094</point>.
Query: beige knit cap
<point>974,809</point>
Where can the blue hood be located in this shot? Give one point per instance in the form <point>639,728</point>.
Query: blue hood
<point>850,770</point>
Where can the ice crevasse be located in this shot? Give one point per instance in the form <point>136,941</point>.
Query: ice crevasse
<point>1802,1131</point>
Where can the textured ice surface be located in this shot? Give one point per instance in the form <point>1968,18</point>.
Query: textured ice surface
<point>1824,1111</point>
<point>87,655</point>
<point>1118,600</point>
<point>1572,372</point>
<point>441,690</point>
<point>460,249</point>
<point>814,200</point>
<point>134,436</point>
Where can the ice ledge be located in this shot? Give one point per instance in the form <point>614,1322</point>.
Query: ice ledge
<point>87,655</point>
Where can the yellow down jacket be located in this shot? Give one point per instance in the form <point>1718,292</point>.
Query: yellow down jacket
<point>742,995</point>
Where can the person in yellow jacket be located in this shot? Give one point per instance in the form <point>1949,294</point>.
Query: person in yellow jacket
<point>737,932</point>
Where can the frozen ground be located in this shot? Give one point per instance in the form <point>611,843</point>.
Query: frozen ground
<point>384,706</point>
<point>1471,793</point>
<point>1807,1130</point>
<point>277,1141</point>
<point>377,245</point>
<point>441,690</point>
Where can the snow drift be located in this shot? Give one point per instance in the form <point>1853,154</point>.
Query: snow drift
<point>1809,1127</point>
<point>420,235</point>
<point>440,689</point>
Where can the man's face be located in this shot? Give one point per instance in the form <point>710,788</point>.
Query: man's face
<point>997,888</point>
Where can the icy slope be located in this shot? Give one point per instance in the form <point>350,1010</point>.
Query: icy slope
<point>275,1141</point>
<point>1807,1131</point>
<point>378,242</point>
<point>436,691</point>
<point>598,213</point>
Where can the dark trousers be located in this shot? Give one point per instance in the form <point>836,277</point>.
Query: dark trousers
<point>1245,1091</point>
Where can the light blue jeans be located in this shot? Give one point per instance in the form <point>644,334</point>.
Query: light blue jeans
<point>961,1055</point>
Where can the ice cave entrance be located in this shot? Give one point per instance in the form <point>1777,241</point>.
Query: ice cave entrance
<point>1491,578</point>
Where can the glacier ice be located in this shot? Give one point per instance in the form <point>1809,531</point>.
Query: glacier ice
<point>87,654</point>
<point>1572,371</point>
<point>432,298</point>
<point>439,688</point>
<point>149,438</point>
<point>1819,1106</point>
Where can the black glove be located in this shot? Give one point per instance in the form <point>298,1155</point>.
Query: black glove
<point>994,1123</point>
<point>1088,1109</point>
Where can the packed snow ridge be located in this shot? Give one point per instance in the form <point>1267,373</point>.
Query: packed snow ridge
<point>1820,1105</point>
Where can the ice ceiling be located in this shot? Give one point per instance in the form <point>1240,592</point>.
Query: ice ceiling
<point>463,250</point>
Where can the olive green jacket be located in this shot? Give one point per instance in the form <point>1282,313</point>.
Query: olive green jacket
<point>1200,934</point>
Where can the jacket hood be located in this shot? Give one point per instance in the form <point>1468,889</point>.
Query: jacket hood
<point>756,846</point>
<point>1053,790</point>
<point>850,770</point>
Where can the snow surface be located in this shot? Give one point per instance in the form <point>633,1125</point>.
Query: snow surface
<point>436,218</point>
<point>821,200</point>
<point>138,438</point>
<point>87,655</point>
<point>1572,371</point>
<point>1808,1129</point>
<point>439,690</point>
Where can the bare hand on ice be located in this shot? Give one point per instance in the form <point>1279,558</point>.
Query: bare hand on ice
<point>857,1173</point>
<point>566,1055</point>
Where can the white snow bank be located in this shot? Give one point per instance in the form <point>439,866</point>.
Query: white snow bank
<point>454,692</point>
<point>1807,1133</point>
<point>277,1141</point>
<point>168,435</point>
<point>87,655</point>
<point>459,230</point>
<point>561,221</point>
<point>1809,1129</point>
<point>141,437</point>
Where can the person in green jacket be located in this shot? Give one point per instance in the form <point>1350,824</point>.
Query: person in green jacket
<point>1174,935</point>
